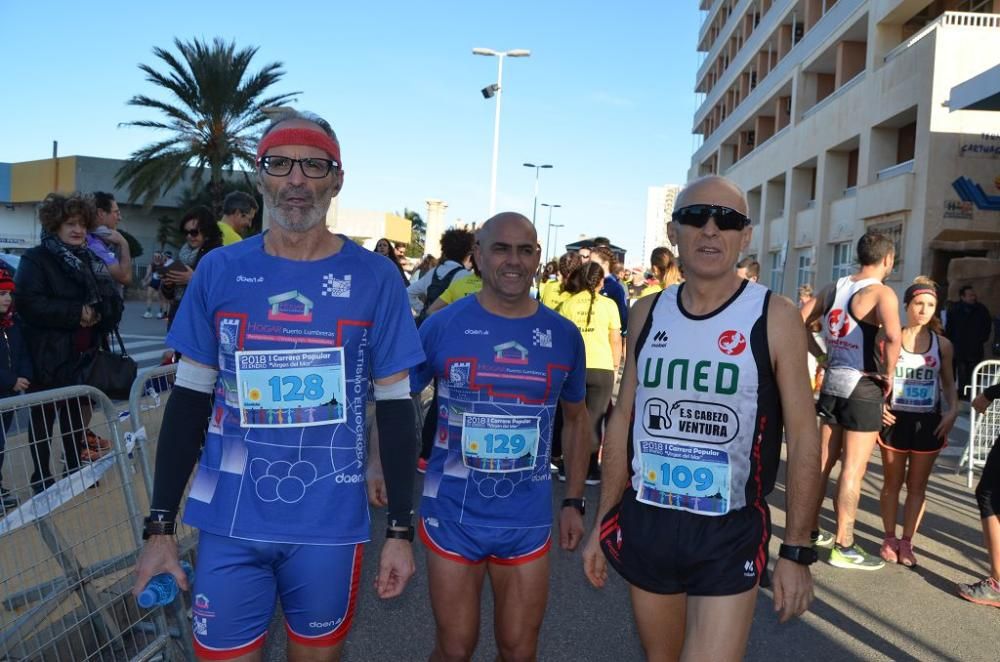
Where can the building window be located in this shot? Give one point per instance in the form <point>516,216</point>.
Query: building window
<point>777,271</point>
<point>894,230</point>
<point>843,260</point>
<point>805,274</point>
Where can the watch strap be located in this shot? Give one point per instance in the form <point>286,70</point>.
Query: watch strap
<point>398,534</point>
<point>158,527</point>
<point>579,504</point>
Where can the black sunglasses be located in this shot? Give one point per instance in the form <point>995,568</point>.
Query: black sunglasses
<point>698,215</point>
<point>193,232</point>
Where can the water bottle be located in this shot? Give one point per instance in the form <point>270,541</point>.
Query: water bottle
<point>162,589</point>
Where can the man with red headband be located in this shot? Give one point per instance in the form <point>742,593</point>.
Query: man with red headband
<point>285,330</point>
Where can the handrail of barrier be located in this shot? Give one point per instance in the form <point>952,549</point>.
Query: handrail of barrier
<point>983,428</point>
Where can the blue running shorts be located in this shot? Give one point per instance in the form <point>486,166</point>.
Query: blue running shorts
<point>236,582</point>
<point>472,545</point>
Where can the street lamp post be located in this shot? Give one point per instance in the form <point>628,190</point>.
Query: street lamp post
<point>534,209</point>
<point>489,91</point>
<point>548,233</point>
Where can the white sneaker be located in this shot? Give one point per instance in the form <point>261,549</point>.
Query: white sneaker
<point>147,315</point>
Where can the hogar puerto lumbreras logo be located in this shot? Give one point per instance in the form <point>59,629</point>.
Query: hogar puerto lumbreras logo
<point>291,306</point>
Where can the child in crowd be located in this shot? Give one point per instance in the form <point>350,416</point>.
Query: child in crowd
<point>15,370</point>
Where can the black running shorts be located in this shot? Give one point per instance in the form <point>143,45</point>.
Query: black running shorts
<point>912,433</point>
<point>862,412</point>
<point>668,551</point>
<point>988,490</point>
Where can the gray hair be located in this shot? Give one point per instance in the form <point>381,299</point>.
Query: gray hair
<point>285,113</point>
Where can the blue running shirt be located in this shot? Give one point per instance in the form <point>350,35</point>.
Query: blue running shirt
<point>499,381</point>
<point>296,344</point>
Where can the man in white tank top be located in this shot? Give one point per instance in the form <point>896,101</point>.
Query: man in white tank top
<point>703,401</point>
<point>858,379</point>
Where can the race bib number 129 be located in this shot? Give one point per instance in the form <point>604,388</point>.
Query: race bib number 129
<point>499,443</point>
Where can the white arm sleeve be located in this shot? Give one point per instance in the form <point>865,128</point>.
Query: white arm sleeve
<point>195,376</point>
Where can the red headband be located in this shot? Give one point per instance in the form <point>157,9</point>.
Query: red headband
<point>913,291</point>
<point>300,137</point>
<point>6,285</point>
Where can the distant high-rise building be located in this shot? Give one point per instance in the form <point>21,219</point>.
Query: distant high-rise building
<point>838,116</point>
<point>659,207</point>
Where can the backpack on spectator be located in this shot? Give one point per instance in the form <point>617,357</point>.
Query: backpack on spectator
<point>436,289</point>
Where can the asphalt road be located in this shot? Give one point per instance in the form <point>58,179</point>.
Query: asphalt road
<point>891,614</point>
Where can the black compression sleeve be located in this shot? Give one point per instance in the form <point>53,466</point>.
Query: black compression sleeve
<point>397,443</point>
<point>182,433</point>
<point>993,392</point>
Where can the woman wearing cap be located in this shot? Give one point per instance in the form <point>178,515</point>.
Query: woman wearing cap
<point>915,430</point>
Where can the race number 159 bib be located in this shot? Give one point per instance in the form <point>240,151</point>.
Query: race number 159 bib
<point>291,388</point>
<point>683,477</point>
<point>499,443</point>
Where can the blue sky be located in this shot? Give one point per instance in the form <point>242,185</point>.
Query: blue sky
<point>606,96</point>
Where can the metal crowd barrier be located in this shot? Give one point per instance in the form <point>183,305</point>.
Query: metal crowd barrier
<point>69,544</point>
<point>983,428</point>
<point>147,400</point>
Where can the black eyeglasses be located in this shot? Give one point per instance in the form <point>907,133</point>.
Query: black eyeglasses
<point>698,215</point>
<point>193,232</point>
<point>281,166</point>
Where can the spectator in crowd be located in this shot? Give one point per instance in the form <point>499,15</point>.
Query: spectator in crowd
<point>805,295</point>
<point>400,248</point>
<point>108,243</point>
<point>202,234</point>
<point>605,258</point>
<point>385,248</point>
<point>427,264</point>
<point>665,270</point>
<point>987,590</point>
<point>456,251</point>
<point>555,294</point>
<point>67,301</point>
<point>968,327</point>
<point>596,317</point>
<point>637,283</point>
<point>15,370</point>
<point>238,211</point>
<point>748,268</point>
<point>151,282</point>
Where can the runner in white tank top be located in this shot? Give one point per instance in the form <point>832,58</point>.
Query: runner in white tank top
<point>713,374</point>
<point>916,431</point>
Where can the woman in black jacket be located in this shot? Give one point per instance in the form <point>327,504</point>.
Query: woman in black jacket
<point>68,303</point>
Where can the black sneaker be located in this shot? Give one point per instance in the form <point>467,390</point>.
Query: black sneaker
<point>594,472</point>
<point>7,499</point>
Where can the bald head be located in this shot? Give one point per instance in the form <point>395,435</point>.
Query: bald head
<point>713,190</point>
<point>505,220</point>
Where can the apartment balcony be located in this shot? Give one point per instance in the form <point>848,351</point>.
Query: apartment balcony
<point>951,19</point>
<point>722,40</point>
<point>769,85</point>
<point>891,193</point>
<point>777,230</point>
<point>805,227</point>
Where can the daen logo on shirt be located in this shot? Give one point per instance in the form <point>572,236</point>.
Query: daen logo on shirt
<point>732,342</point>
<point>541,338</point>
<point>249,279</point>
<point>337,287</point>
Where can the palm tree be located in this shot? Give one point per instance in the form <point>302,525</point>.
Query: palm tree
<point>217,104</point>
<point>418,228</point>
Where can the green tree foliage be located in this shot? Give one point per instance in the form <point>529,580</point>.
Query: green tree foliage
<point>212,117</point>
<point>418,233</point>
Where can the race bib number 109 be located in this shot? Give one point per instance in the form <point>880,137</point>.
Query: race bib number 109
<point>684,477</point>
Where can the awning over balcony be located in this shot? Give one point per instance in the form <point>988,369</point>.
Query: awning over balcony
<point>981,92</point>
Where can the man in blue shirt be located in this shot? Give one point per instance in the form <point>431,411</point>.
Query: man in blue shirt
<point>286,330</point>
<point>503,363</point>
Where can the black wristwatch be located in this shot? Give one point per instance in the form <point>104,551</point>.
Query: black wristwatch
<point>801,555</point>
<point>579,504</point>
<point>400,535</point>
<point>155,527</point>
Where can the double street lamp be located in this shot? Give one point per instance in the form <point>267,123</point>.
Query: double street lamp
<point>497,90</point>
<point>548,232</point>
<point>534,209</point>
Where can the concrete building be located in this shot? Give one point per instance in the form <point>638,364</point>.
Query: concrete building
<point>659,207</point>
<point>836,116</point>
